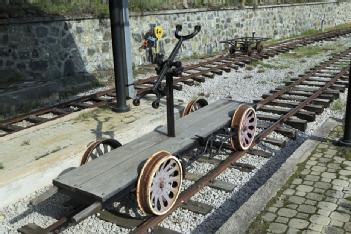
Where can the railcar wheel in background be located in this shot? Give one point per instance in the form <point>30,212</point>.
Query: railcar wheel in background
<point>159,183</point>
<point>194,105</point>
<point>232,50</point>
<point>243,127</point>
<point>99,148</point>
<point>259,47</point>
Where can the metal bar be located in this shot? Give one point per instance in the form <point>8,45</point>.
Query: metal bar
<point>119,48</point>
<point>346,140</point>
<point>170,106</point>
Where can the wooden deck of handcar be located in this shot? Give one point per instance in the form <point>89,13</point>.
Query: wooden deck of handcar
<point>107,176</point>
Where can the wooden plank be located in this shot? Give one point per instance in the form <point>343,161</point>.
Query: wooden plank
<point>295,123</point>
<point>197,207</point>
<point>32,228</point>
<point>36,119</point>
<point>260,153</point>
<point>199,79</point>
<point>317,101</point>
<point>308,94</point>
<point>163,230</point>
<point>109,175</point>
<point>274,141</point>
<point>302,114</point>
<point>281,130</point>
<point>10,128</point>
<point>216,184</point>
<point>318,109</point>
<point>122,220</point>
<point>59,111</point>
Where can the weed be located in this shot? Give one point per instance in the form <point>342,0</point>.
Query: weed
<point>262,82</point>
<point>26,142</point>
<point>58,148</point>
<point>1,166</point>
<point>91,114</point>
<point>260,64</point>
<point>337,105</point>
<point>302,52</point>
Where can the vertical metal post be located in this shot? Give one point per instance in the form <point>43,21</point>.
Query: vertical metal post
<point>346,140</point>
<point>118,18</point>
<point>170,106</point>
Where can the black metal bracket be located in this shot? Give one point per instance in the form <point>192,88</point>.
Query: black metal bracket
<point>167,70</point>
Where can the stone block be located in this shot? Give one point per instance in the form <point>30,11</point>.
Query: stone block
<point>298,223</point>
<point>277,227</point>
<point>287,212</point>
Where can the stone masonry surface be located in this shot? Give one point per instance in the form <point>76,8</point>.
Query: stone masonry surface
<point>64,47</point>
<point>316,199</point>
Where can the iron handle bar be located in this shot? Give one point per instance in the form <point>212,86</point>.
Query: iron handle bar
<point>172,56</point>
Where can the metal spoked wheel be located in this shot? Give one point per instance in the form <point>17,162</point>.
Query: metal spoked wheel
<point>194,105</point>
<point>243,127</point>
<point>99,148</point>
<point>159,183</point>
<point>232,50</point>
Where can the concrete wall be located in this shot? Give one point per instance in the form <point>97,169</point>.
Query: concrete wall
<point>50,48</point>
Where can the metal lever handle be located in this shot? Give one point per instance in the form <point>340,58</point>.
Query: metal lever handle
<point>179,28</point>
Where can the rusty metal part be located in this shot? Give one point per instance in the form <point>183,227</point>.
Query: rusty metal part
<point>243,127</point>
<point>159,183</point>
<point>99,148</point>
<point>194,105</point>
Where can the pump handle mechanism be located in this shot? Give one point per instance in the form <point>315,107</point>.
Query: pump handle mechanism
<point>168,68</point>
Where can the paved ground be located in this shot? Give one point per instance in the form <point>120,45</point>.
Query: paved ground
<point>317,198</point>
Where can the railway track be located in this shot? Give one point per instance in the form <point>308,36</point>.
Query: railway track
<point>284,111</point>
<point>192,73</point>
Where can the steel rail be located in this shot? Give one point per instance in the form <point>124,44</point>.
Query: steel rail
<point>206,179</point>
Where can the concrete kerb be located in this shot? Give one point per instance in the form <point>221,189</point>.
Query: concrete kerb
<point>241,219</point>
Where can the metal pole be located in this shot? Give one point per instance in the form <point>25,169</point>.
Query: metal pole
<point>346,140</point>
<point>119,48</point>
<point>170,106</point>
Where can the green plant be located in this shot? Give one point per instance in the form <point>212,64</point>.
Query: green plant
<point>337,105</point>
<point>1,166</point>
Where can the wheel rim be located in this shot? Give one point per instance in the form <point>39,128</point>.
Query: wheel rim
<point>194,105</point>
<point>98,149</point>
<point>243,127</point>
<point>159,183</point>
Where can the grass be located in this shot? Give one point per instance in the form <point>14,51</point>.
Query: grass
<point>337,105</point>
<point>261,64</point>
<point>303,52</point>
<point>56,149</point>
<point>91,114</point>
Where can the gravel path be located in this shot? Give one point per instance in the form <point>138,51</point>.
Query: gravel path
<point>246,84</point>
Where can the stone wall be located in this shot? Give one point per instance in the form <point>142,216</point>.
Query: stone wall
<point>49,48</point>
